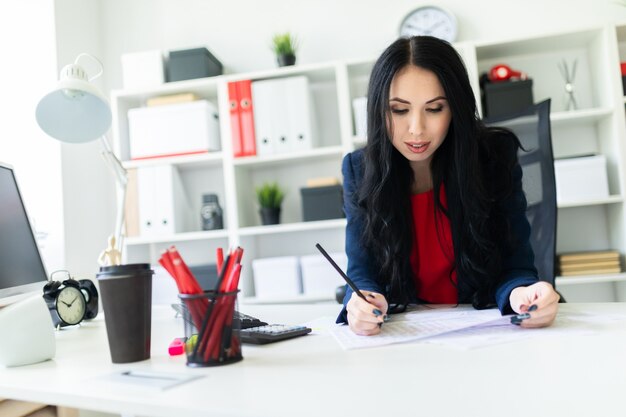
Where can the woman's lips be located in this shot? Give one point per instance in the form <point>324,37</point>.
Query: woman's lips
<point>417,147</point>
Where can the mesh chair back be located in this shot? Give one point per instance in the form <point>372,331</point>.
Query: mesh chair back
<point>532,127</point>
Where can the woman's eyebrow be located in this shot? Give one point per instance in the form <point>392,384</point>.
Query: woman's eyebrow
<point>435,99</point>
<point>400,100</point>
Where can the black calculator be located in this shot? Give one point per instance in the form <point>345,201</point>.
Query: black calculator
<point>272,333</point>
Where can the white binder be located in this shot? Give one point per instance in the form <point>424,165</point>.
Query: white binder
<point>283,115</point>
<point>262,103</point>
<point>301,115</point>
<point>280,116</point>
<point>163,205</point>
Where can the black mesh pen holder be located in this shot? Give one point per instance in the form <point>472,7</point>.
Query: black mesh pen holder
<point>211,328</point>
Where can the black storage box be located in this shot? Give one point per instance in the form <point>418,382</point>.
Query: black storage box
<point>507,97</point>
<point>322,203</point>
<point>188,64</point>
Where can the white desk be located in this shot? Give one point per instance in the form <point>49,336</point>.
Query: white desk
<point>313,376</point>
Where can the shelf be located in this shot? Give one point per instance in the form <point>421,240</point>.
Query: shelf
<point>597,127</point>
<point>590,279</point>
<point>182,161</point>
<point>296,299</point>
<point>579,116</point>
<point>561,118</point>
<point>178,237</point>
<point>203,86</point>
<point>582,203</point>
<point>292,227</point>
<point>287,158</point>
<point>316,72</point>
<point>540,44</point>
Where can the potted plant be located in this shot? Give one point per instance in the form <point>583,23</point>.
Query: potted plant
<point>270,196</point>
<point>284,46</point>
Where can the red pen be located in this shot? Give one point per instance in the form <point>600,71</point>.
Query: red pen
<point>220,259</point>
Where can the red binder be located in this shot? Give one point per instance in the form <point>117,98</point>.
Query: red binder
<point>248,138</point>
<point>235,119</point>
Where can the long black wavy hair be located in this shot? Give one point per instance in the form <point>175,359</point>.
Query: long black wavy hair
<point>463,162</point>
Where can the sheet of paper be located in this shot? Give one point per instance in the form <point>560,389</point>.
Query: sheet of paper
<point>148,379</point>
<point>416,325</point>
<point>489,334</point>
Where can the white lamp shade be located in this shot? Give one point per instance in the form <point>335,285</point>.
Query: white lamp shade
<point>76,111</point>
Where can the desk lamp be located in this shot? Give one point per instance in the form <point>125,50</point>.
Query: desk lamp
<point>77,112</point>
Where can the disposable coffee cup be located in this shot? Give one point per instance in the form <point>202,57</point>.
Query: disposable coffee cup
<point>126,294</point>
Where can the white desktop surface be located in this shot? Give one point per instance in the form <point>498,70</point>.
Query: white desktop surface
<point>313,376</point>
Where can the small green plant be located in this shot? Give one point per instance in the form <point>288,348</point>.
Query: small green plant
<point>284,44</point>
<point>270,195</point>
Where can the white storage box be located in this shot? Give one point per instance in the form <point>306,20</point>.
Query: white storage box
<point>176,129</point>
<point>143,69</point>
<point>359,106</point>
<point>581,179</point>
<point>319,278</point>
<point>277,277</point>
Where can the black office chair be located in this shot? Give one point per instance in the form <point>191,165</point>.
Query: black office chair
<point>532,127</point>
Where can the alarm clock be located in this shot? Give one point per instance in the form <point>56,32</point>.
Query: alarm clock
<point>71,301</point>
<point>432,21</point>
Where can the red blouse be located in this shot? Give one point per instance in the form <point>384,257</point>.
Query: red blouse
<point>432,256</point>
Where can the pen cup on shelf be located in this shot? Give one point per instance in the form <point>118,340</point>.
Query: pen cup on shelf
<point>211,328</point>
<point>126,294</point>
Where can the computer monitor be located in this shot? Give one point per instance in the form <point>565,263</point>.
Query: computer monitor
<point>22,270</point>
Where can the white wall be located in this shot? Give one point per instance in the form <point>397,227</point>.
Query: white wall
<point>26,74</point>
<point>89,186</point>
<point>238,33</point>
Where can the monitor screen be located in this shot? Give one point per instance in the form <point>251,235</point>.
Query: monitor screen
<point>21,267</point>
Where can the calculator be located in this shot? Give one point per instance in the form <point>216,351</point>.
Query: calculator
<point>272,333</point>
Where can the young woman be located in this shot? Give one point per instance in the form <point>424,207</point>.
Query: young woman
<point>434,203</point>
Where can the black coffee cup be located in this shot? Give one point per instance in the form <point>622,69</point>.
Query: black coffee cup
<point>126,294</point>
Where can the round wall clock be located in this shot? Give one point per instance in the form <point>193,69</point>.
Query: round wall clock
<point>432,21</point>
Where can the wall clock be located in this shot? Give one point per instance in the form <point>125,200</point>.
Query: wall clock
<point>432,21</point>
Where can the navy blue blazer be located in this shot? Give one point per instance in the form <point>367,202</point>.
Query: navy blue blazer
<point>517,267</point>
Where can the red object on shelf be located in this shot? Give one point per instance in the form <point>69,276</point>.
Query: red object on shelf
<point>235,119</point>
<point>503,72</point>
<point>623,68</point>
<point>246,109</point>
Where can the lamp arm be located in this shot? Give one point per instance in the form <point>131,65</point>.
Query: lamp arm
<point>121,177</point>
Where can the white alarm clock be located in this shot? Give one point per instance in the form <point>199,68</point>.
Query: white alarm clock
<point>432,21</point>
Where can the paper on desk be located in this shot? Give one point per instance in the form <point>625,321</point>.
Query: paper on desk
<point>148,379</point>
<point>416,325</point>
<point>489,334</point>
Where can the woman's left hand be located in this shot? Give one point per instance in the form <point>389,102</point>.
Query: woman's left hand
<point>543,296</point>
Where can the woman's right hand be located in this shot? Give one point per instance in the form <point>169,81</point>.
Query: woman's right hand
<point>366,318</point>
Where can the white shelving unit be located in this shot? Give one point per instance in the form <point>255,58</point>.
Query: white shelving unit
<point>598,126</point>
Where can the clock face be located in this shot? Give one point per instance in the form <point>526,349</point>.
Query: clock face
<point>71,305</point>
<point>431,21</point>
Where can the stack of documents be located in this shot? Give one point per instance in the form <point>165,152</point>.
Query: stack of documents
<point>589,263</point>
<point>462,327</point>
<point>419,324</point>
